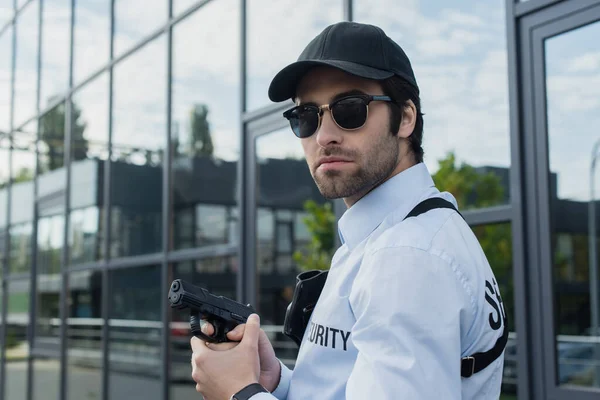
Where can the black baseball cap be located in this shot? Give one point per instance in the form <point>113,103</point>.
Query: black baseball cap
<point>358,49</point>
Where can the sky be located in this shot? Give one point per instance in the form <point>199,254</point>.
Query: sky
<point>457,49</point>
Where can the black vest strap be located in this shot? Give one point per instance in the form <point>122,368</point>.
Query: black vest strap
<point>478,361</point>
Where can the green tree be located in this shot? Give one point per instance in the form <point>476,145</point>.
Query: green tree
<point>52,133</point>
<point>200,143</point>
<point>476,190</point>
<point>320,223</point>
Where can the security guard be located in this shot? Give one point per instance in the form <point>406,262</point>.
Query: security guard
<point>410,308</point>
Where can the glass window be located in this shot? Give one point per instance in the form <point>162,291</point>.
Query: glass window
<point>205,125</point>
<point>287,196</point>
<point>572,69</point>
<point>89,153</point>
<point>139,141</point>
<point>19,256</point>
<point>459,56</point>
<point>4,179</point>
<point>84,336</point>
<point>55,51</point>
<point>5,77</point>
<point>26,53</point>
<point>6,12</point>
<point>278,31</point>
<point>134,20</point>
<point>135,333</point>
<point>91,37</point>
<point>51,145</point>
<point>20,3</point>
<point>50,234</point>
<point>46,378</point>
<point>17,350</point>
<point>496,242</point>
<point>218,276</point>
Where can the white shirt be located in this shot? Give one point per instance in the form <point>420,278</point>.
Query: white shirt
<point>403,302</point>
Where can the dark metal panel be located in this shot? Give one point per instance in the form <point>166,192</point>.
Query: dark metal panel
<point>348,10</point>
<point>166,224</point>
<point>533,330</point>
<point>107,199</point>
<point>539,35</point>
<point>517,205</point>
<point>531,6</point>
<point>488,215</point>
<point>135,261</point>
<point>203,252</point>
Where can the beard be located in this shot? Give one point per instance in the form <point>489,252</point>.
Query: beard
<point>375,166</point>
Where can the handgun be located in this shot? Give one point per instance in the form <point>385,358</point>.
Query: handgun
<point>223,313</point>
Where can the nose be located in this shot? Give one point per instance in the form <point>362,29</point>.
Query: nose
<point>329,133</point>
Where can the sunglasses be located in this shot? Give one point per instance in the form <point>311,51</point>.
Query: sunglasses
<point>349,113</point>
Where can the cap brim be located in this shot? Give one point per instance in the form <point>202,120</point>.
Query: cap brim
<point>283,86</point>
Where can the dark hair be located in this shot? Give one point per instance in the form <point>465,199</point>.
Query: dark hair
<point>401,91</point>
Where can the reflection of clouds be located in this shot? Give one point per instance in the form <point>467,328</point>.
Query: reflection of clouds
<point>56,16</point>
<point>458,52</point>
<point>92,100</point>
<point>136,19</point>
<point>277,33</point>
<point>206,71</point>
<point>279,144</point>
<point>573,90</point>
<point>26,63</point>
<point>140,98</point>
<point>5,65</point>
<point>91,39</point>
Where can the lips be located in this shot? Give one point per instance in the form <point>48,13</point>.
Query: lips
<point>329,160</point>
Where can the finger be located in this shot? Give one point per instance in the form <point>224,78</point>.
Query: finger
<point>252,330</point>
<point>221,346</point>
<point>237,333</point>
<point>207,328</point>
<point>198,345</point>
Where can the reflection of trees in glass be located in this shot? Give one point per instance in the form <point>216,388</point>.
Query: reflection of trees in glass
<point>200,140</point>
<point>472,189</point>
<point>475,190</point>
<point>23,175</point>
<point>52,133</point>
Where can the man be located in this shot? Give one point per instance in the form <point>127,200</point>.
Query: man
<point>410,296</point>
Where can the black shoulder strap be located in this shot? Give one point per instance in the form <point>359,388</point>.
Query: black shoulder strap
<point>478,361</point>
<point>431,204</point>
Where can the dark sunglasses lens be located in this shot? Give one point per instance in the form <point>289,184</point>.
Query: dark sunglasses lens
<point>304,121</point>
<point>350,113</point>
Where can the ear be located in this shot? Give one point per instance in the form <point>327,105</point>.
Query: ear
<point>409,119</point>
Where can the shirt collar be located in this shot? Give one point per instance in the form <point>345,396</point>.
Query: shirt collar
<point>401,190</point>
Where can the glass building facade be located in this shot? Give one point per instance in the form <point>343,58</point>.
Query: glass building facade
<point>138,146</point>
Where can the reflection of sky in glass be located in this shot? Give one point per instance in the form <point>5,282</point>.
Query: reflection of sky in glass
<point>92,102</point>
<point>573,90</point>
<point>277,33</point>
<point>6,12</point>
<point>139,99</point>
<point>135,19</point>
<point>24,154</point>
<point>91,41</point>
<point>206,71</point>
<point>458,52</point>
<point>56,20</point>
<point>280,144</point>
<point>3,180</point>
<point>5,65</point>
<point>26,63</point>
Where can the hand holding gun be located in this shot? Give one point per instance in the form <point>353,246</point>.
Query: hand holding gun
<point>223,313</point>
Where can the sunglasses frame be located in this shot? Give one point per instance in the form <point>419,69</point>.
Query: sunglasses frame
<point>366,98</point>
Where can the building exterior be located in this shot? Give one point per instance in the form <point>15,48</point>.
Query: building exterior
<point>137,146</point>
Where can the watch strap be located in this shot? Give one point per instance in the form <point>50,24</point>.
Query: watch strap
<point>249,391</point>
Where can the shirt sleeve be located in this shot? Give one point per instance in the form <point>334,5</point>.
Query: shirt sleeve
<point>281,391</point>
<point>407,304</point>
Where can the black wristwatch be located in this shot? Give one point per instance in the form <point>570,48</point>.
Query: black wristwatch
<point>249,391</point>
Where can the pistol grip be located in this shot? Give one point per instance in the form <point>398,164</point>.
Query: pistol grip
<point>221,329</point>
